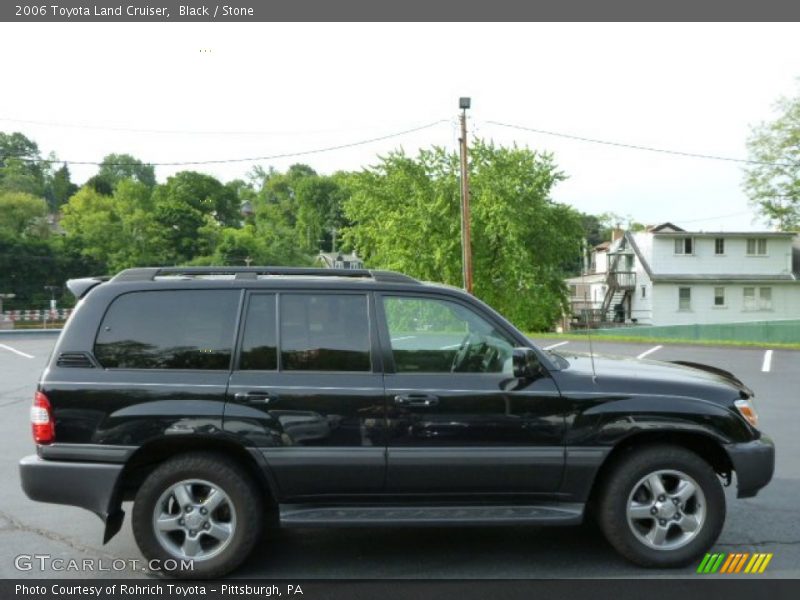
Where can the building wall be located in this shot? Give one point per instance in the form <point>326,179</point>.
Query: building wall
<point>642,305</point>
<point>665,298</point>
<point>663,259</point>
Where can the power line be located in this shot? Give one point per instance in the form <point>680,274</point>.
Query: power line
<point>170,131</point>
<point>234,160</point>
<point>646,148</point>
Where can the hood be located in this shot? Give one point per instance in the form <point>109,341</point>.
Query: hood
<point>617,374</point>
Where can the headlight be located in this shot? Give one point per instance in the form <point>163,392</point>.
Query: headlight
<point>748,411</point>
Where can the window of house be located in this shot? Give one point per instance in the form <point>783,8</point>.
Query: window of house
<point>765,298</point>
<point>260,339</point>
<point>719,246</point>
<point>573,291</point>
<point>431,335</point>
<point>324,332</point>
<point>719,296</point>
<point>169,329</point>
<point>684,245</point>
<point>684,298</point>
<point>644,291</point>
<point>758,298</point>
<point>757,246</point>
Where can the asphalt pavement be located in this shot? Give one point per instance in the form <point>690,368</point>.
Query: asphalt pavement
<point>770,522</point>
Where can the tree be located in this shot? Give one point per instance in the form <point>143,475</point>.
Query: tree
<point>59,188</point>
<point>17,174</point>
<point>773,182</point>
<point>404,215</point>
<point>117,167</point>
<point>22,215</point>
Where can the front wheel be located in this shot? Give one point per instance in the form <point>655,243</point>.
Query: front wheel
<point>662,506</point>
<point>200,511</point>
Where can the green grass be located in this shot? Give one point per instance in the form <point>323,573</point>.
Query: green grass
<point>659,340</point>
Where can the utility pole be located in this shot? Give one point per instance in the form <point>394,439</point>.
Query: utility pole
<point>466,244</point>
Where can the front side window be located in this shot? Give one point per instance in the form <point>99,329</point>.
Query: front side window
<point>719,296</point>
<point>430,335</point>
<point>684,298</point>
<point>757,246</point>
<point>750,298</point>
<point>719,246</point>
<point>684,246</point>
<point>324,332</point>
<point>175,329</point>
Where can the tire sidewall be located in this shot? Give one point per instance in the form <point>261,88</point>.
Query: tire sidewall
<point>222,473</point>
<point>628,473</point>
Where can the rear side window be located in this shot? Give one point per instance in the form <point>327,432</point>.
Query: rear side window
<point>259,343</point>
<point>180,329</point>
<point>324,332</point>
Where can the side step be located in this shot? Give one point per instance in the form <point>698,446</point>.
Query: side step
<point>301,515</point>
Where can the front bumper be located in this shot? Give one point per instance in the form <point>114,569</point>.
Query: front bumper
<point>92,486</point>
<point>754,463</point>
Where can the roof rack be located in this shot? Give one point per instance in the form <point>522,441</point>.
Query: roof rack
<point>150,273</point>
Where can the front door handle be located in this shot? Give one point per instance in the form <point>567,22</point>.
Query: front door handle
<point>419,400</point>
<point>255,397</point>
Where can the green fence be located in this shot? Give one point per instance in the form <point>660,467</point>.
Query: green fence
<point>776,332</point>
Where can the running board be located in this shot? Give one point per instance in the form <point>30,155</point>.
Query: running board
<point>300,515</point>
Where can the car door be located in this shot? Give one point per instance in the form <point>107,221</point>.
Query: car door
<point>307,391</point>
<point>458,421</point>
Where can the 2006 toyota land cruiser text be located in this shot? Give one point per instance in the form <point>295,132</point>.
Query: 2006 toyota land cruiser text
<point>223,400</point>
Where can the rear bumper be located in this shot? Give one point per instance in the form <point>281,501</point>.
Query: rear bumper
<point>92,486</point>
<point>754,463</point>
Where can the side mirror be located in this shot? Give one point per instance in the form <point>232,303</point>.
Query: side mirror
<point>526,363</point>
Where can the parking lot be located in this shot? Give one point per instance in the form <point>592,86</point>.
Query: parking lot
<point>769,522</point>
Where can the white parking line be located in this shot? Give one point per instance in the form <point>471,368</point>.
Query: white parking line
<point>556,345</point>
<point>403,337</point>
<point>767,364</point>
<point>647,352</point>
<point>15,351</point>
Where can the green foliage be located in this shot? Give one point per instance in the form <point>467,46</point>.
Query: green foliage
<point>118,167</point>
<point>774,188</point>
<point>22,215</point>
<point>59,188</point>
<point>404,215</point>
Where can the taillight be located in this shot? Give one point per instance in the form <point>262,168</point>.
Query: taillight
<point>44,428</point>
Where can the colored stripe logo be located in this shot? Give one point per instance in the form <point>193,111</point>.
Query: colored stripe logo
<point>735,562</point>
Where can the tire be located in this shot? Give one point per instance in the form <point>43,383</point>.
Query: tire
<point>678,533</point>
<point>218,531</point>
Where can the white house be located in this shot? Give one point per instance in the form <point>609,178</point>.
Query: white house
<point>669,276</point>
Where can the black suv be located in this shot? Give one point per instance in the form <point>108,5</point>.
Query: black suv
<point>224,400</point>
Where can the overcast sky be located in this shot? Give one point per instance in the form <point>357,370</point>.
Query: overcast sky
<point>277,88</point>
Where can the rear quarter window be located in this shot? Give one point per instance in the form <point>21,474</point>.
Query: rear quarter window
<point>171,329</point>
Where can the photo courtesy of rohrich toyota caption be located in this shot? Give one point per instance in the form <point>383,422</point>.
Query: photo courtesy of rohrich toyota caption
<point>348,302</point>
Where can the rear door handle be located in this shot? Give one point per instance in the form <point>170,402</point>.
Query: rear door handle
<point>422,400</point>
<point>255,397</point>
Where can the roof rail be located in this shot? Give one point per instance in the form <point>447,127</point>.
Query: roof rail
<point>150,273</point>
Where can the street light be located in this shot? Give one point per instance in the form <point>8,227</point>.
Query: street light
<point>466,244</point>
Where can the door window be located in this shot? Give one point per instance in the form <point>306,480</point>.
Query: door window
<point>170,329</point>
<point>259,342</point>
<point>324,332</point>
<point>430,335</point>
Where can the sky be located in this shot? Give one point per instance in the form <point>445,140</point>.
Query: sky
<point>180,92</point>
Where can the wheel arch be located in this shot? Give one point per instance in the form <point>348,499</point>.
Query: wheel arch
<point>705,446</point>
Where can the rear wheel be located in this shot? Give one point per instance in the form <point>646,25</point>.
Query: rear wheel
<point>201,508</point>
<point>661,506</point>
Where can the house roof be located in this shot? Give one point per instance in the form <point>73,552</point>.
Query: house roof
<point>726,277</point>
<point>749,234</point>
<point>665,227</point>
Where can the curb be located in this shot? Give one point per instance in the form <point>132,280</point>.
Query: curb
<point>35,332</point>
